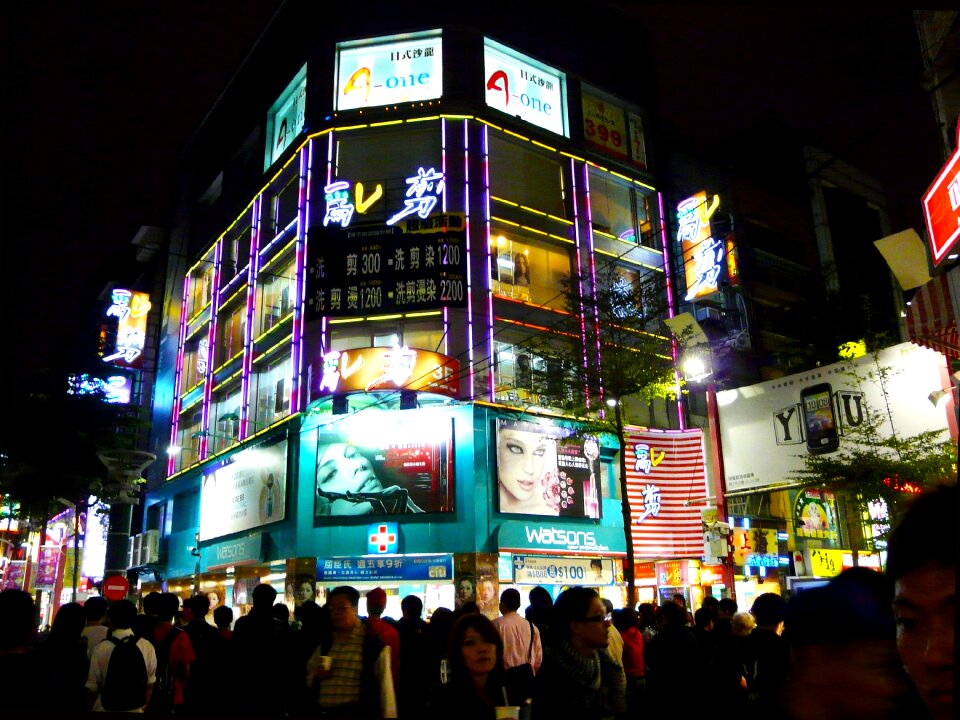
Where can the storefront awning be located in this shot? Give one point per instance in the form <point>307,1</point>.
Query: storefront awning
<point>931,320</point>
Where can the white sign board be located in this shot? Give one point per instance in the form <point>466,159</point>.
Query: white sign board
<point>245,491</point>
<point>767,430</point>
<point>549,570</point>
<point>389,70</point>
<point>519,85</point>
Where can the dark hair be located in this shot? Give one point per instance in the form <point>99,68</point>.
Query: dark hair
<point>540,597</point>
<point>488,631</point>
<point>68,623</point>
<point>702,617</point>
<point>95,608</point>
<point>673,614</point>
<point>412,605</point>
<point>728,605</point>
<point>510,599</point>
<point>199,605</point>
<point>572,605</point>
<point>625,618</point>
<point>168,606</point>
<point>711,604</point>
<point>152,604</point>
<point>223,616</point>
<point>264,595</point>
<point>925,533</point>
<point>768,609</point>
<point>122,614</point>
<point>17,619</point>
<point>349,592</point>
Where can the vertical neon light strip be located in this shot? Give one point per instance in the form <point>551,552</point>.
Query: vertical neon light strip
<point>583,321</point>
<point>443,163</point>
<point>674,350</point>
<point>593,280</point>
<point>249,334</point>
<point>489,265</point>
<point>211,352</point>
<point>469,240</point>
<point>324,340</point>
<point>296,349</point>
<point>178,375</point>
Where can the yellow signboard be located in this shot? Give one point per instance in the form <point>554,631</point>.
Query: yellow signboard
<point>825,563</point>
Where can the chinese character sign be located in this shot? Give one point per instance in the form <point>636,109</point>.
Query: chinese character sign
<point>519,85</point>
<point>702,253</point>
<point>129,308</point>
<point>941,208</point>
<point>665,472</point>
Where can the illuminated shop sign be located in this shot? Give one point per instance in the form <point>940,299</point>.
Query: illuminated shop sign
<point>546,570</point>
<point>383,538</point>
<point>755,547</point>
<point>414,262</point>
<point>610,128</point>
<point>702,253</point>
<point>815,514</point>
<point>130,309</point>
<point>545,469</point>
<point>389,463</point>
<point>245,491</point>
<point>390,70</point>
<point>941,207</point>
<point>287,117</point>
<point>545,537</point>
<point>112,388</point>
<point>519,85</point>
<point>400,568</point>
<point>382,368</point>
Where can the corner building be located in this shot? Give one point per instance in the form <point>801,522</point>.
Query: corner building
<point>373,227</point>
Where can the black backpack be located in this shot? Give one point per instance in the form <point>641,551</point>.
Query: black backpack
<point>125,685</point>
<point>161,699</point>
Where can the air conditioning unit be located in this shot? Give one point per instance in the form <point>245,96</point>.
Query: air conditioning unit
<point>150,547</point>
<point>131,554</point>
<point>705,312</point>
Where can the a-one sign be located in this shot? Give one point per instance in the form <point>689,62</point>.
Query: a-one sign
<point>115,587</point>
<point>941,207</point>
<point>287,117</point>
<point>389,70</point>
<point>385,368</point>
<point>767,429</point>
<point>547,570</point>
<point>519,85</point>
<point>244,491</point>
<point>398,568</point>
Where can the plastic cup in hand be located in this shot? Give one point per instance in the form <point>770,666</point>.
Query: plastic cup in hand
<point>508,712</point>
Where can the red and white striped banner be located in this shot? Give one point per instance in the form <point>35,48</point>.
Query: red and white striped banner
<point>930,319</point>
<point>666,485</point>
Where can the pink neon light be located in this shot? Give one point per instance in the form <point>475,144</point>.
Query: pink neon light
<point>296,340</point>
<point>252,272</point>
<point>211,352</point>
<point>593,278</point>
<point>489,280</point>
<point>576,237</point>
<point>178,375</point>
<point>674,351</point>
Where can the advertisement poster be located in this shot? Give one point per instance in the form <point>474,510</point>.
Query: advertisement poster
<point>14,575</point>
<point>604,126</point>
<point>245,491</point>
<point>398,473</point>
<point>547,470</point>
<point>519,85</point>
<point>546,570</point>
<point>666,487</point>
<point>767,429</point>
<point>815,514</point>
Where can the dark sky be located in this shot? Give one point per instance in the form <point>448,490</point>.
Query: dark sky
<point>101,97</point>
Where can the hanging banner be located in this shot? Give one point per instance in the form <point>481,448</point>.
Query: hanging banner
<point>665,472</point>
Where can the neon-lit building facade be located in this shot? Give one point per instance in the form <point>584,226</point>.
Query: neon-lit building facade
<point>384,281</point>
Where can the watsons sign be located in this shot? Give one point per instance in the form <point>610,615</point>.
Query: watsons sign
<point>517,536</point>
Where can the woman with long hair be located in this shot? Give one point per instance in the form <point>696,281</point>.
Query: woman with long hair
<point>475,683</point>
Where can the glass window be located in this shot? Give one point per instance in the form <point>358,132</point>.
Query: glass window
<point>225,418</point>
<point>526,378</point>
<point>423,334</point>
<point>188,437</point>
<point>619,210</point>
<point>276,291</point>
<point>200,291</point>
<point>236,249</point>
<point>270,393</point>
<point>529,270</point>
<point>186,510</point>
<point>521,175</point>
<point>195,360</point>
<point>231,324</point>
<point>283,199</point>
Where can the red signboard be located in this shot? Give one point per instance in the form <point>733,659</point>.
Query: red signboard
<point>941,208</point>
<point>115,587</point>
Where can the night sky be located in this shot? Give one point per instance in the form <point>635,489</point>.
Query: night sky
<point>101,97</point>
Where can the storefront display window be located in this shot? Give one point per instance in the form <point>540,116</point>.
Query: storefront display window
<point>424,334</point>
<point>528,270</point>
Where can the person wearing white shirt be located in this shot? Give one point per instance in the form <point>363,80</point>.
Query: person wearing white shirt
<point>122,613</point>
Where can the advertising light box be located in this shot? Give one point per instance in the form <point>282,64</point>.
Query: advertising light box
<point>389,70</point>
<point>545,469</point>
<point>385,368</point>
<point>245,491</point>
<point>287,117</point>
<point>941,207</point>
<point>521,86</point>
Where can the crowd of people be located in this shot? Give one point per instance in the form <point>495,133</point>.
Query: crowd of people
<point>865,645</point>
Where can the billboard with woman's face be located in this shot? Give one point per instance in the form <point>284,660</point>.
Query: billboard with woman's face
<point>547,470</point>
<point>387,476</point>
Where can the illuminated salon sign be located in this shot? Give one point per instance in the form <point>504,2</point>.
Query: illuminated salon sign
<point>519,85</point>
<point>389,70</point>
<point>941,208</point>
<point>702,253</point>
<point>381,368</point>
<point>130,309</point>
<point>286,118</point>
<point>113,388</point>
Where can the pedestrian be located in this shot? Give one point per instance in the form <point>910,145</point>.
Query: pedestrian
<point>201,692</point>
<point>522,647</point>
<point>539,610</point>
<point>614,640</point>
<point>671,657</point>
<point>21,673</point>
<point>439,630</point>
<point>578,677</point>
<point>922,566</point>
<point>350,676</point>
<point>257,644</point>
<point>376,604</point>
<point>634,667</point>
<point>101,680</point>
<point>476,684</point>
<point>174,657</point>
<point>95,629</point>
<point>417,674</point>
<point>767,657</point>
<point>63,656</point>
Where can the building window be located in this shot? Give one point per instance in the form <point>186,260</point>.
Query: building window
<point>225,418</point>
<point>270,393</point>
<point>527,177</point>
<point>527,378</point>
<point>283,201</point>
<point>529,270</point>
<point>619,210</point>
<point>422,334</point>
<point>200,290</point>
<point>236,250</point>
<point>276,291</point>
<point>231,324</point>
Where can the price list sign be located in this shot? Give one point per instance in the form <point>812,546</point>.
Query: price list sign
<point>414,265</point>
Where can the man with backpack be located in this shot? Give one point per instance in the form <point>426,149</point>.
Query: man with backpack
<point>174,657</point>
<point>123,667</point>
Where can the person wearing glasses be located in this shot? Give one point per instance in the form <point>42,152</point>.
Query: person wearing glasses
<point>578,677</point>
<point>349,672</point>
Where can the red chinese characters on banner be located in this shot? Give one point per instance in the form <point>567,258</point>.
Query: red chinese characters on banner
<point>666,484</point>
<point>941,207</point>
